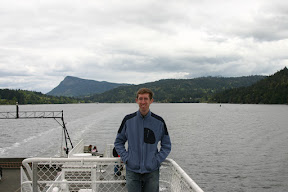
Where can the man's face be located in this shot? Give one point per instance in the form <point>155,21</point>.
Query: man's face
<point>144,102</point>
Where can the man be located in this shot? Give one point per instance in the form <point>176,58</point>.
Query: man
<point>143,130</point>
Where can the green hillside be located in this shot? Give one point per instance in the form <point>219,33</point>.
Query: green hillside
<point>251,89</point>
<point>271,90</point>
<point>10,97</point>
<point>177,90</point>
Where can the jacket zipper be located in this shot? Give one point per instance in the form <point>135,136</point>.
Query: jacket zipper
<point>147,133</point>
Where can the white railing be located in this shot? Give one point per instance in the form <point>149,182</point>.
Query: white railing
<point>93,175</point>
<point>109,150</point>
<point>79,148</point>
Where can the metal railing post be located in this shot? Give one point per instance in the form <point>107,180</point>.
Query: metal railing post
<point>35,176</point>
<point>94,178</point>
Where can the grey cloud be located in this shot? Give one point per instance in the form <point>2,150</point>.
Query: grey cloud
<point>270,24</point>
<point>268,28</point>
<point>119,41</point>
<point>13,73</point>
<point>271,29</point>
<point>175,64</point>
<point>265,21</point>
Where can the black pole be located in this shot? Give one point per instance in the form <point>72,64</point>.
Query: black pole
<point>64,127</point>
<point>17,110</point>
<point>66,135</point>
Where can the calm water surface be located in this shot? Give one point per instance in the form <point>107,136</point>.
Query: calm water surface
<point>228,148</point>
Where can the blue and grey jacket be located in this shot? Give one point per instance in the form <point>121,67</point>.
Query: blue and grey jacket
<point>143,135</point>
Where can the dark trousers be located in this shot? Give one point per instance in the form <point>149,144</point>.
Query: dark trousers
<point>146,182</point>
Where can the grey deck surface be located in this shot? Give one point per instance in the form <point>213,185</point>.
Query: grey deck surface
<point>10,180</point>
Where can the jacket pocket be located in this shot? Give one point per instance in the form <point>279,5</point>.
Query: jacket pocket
<point>149,136</point>
<point>151,163</point>
<point>133,161</point>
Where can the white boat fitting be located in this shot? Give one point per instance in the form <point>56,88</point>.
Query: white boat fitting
<point>83,172</point>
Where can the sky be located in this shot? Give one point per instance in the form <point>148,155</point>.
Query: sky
<point>139,41</point>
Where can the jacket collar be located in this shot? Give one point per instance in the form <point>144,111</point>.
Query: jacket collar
<point>146,116</point>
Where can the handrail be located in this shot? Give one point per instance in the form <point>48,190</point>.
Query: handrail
<point>76,149</point>
<point>192,183</point>
<point>81,160</point>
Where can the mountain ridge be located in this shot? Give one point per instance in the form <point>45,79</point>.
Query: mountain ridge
<point>77,87</point>
<point>176,90</point>
<point>271,90</point>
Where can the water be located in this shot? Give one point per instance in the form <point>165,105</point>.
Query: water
<point>239,148</point>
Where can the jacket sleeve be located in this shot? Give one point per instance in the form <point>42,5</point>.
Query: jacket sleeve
<point>165,145</point>
<point>120,142</point>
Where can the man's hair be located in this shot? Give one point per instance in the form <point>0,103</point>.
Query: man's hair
<point>143,91</point>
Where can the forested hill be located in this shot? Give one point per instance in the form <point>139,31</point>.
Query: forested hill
<point>75,87</point>
<point>177,90</point>
<point>10,97</point>
<point>271,90</point>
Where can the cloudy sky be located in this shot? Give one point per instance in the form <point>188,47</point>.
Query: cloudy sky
<point>138,41</point>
